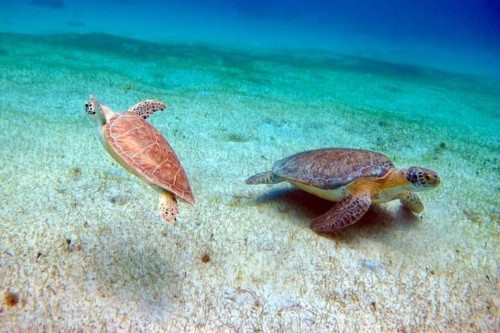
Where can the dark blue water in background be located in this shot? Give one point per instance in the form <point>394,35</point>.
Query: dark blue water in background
<point>451,23</point>
<point>461,36</point>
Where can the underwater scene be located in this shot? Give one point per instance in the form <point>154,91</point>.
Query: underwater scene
<point>249,166</point>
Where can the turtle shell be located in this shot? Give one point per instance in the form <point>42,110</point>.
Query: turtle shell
<point>332,168</point>
<point>146,153</point>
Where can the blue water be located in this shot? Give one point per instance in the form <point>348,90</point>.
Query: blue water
<point>460,36</point>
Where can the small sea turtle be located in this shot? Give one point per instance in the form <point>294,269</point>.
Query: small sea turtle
<point>142,150</point>
<point>354,178</point>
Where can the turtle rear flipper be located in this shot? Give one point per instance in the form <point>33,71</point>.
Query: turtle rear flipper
<point>167,205</point>
<point>147,108</point>
<point>343,214</point>
<point>264,178</point>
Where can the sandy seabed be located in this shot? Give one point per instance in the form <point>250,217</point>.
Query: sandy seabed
<point>82,246</point>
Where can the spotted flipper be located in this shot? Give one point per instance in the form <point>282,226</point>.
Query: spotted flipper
<point>343,214</point>
<point>264,178</point>
<point>167,206</point>
<point>147,108</point>
<point>411,201</point>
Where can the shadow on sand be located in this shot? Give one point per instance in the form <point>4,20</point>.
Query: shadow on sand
<point>378,220</point>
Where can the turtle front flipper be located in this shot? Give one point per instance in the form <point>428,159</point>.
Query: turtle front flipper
<point>168,206</point>
<point>264,178</point>
<point>411,201</point>
<point>343,214</point>
<point>147,108</point>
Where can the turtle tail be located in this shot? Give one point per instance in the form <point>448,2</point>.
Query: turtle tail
<point>264,178</point>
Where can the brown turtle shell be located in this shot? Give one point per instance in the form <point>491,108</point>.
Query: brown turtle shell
<point>332,168</point>
<point>147,153</point>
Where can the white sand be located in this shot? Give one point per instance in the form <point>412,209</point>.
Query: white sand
<point>230,116</point>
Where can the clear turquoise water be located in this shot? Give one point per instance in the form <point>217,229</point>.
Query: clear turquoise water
<point>247,83</point>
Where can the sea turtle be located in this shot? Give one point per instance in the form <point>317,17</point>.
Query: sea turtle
<point>142,150</point>
<point>353,178</point>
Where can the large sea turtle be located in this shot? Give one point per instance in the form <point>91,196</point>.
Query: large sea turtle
<point>142,150</point>
<point>353,178</point>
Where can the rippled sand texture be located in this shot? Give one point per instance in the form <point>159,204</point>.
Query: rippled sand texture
<point>82,245</point>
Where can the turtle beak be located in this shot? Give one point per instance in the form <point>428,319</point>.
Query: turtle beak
<point>436,181</point>
<point>430,179</point>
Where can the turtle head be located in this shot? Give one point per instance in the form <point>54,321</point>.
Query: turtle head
<point>421,179</point>
<point>96,110</point>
